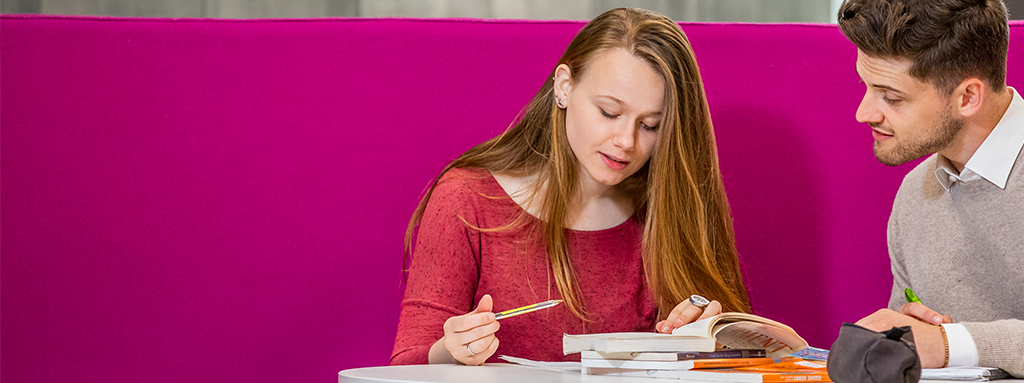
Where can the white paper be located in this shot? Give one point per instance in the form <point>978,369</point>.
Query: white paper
<point>965,374</point>
<point>557,366</point>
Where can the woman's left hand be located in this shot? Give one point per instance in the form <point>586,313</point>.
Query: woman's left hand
<point>685,313</point>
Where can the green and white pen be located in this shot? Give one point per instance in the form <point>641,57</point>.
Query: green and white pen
<point>527,309</point>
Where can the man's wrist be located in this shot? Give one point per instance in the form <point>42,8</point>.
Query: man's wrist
<point>945,347</point>
<point>962,350</point>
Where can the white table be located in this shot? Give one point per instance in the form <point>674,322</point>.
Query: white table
<point>496,373</point>
<point>492,372</point>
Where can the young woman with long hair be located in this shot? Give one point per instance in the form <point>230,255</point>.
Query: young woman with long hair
<point>606,194</point>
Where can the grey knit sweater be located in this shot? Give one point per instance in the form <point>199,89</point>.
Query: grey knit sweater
<point>962,252</point>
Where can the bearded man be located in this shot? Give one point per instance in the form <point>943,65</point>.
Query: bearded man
<point>935,73</point>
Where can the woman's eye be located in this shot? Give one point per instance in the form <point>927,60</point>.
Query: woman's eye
<point>647,127</point>
<point>607,115</point>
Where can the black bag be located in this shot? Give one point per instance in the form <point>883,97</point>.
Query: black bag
<point>860,355</point>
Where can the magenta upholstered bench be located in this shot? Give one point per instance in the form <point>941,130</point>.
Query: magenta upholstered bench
<point>214,200</point>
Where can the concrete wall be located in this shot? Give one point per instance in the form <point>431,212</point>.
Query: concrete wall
<point>682,10</point>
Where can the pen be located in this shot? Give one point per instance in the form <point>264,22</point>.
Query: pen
<point>911,297</point>
<point>527,309</point>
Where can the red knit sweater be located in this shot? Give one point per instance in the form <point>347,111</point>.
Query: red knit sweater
<point>454,265</point>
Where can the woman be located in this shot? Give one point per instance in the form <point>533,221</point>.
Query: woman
<point>606,194</point>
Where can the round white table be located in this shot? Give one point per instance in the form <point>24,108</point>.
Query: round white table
<point>496,373</point>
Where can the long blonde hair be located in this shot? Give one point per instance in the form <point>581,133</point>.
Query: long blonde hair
<point>688,243</point>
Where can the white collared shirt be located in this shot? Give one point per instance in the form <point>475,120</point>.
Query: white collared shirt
<point>992,161</point>
<point>995,157</point>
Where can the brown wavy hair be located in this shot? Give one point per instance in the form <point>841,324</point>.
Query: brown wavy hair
<point>946,41</point>
<point>688,243</point>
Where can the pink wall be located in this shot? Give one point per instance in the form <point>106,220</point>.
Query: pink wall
<point>213,200</point>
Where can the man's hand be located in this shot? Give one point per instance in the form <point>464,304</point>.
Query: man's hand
<point>924,314</point>
<point>931,344</point>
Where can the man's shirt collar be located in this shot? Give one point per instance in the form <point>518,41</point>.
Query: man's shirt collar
<point>995,157</point>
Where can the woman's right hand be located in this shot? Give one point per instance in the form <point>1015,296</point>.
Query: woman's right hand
<point>468,339</point>
<point>686,313</point>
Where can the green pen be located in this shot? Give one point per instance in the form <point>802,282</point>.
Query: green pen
<point>911,297</point>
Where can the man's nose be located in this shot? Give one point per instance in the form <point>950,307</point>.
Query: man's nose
<point>867,111</point>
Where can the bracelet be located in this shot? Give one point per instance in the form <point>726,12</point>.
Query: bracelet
<point>945,345</point>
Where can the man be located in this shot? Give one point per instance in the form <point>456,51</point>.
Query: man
<point>935,72</point>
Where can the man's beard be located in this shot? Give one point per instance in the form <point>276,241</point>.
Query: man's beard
<point>910,150</point>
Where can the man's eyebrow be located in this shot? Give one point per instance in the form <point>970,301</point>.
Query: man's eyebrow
<point>880,86</point>
<point>886,87</point>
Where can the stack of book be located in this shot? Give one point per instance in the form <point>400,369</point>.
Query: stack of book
<point>756,349</point>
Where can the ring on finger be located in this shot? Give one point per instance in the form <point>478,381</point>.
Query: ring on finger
<point>470,349</point>
<point>699,301</point>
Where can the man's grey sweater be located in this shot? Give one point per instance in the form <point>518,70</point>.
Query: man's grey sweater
<point>962,252</point>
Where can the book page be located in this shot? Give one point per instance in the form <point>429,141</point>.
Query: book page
<point>701,328</point>
<point>557,366</point>
<point>746,331</point>
<point>778,342</point>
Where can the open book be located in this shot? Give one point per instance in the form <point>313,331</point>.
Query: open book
<point>746,331</point>
<point>733,330</point>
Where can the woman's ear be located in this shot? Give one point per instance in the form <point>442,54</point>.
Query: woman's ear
<point>562,85</point>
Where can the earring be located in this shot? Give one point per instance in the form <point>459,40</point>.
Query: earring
<point>558,100</point>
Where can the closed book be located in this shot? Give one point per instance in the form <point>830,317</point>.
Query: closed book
<point>787,371</point>
<point>636,342</point>
<point>680,364</point>
<point>720,354</point>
